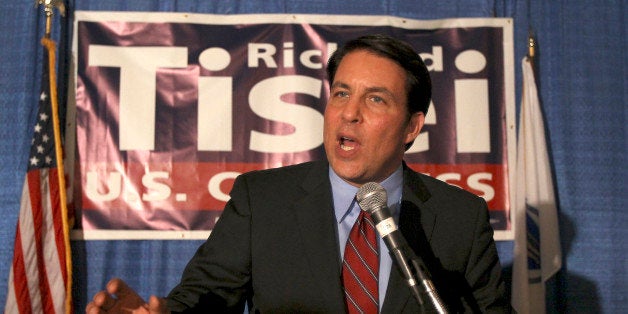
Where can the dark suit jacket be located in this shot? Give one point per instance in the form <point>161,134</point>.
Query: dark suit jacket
<point>276,246</point>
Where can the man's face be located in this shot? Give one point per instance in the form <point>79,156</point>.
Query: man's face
<point>366,119</point>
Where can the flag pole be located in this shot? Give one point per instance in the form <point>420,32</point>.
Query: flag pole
<point>50,45</point>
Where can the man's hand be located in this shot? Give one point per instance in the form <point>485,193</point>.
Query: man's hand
<point>120,298</point>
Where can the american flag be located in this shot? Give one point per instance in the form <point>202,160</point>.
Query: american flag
<point>38,281</point>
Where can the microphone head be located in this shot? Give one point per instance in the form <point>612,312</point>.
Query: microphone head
<point>371,197</point>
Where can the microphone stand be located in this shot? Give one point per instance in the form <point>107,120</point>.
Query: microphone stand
<point>428,289</point>
<point>417,277</point>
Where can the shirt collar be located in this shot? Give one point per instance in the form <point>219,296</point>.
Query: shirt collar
<point>344,193</point>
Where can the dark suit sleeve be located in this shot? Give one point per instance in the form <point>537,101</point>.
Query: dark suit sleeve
<point>218,276</point>
<point>483,271</point>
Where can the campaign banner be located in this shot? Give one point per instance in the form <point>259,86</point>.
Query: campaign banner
<point>171,107</point>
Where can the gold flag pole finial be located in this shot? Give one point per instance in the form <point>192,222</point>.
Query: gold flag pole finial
<point>531,45</point>
<point>49,5</point>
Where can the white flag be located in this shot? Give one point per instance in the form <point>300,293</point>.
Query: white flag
<point>537,254</point>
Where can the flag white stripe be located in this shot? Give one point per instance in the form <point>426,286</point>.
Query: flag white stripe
<point>51,256</point>
<point>11,304</point>
<point>29,249</point>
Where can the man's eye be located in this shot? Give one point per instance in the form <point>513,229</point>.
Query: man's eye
<point>341,94</point>
<point>376,99</point>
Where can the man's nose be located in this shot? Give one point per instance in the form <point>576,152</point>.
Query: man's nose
<point>352,111</point>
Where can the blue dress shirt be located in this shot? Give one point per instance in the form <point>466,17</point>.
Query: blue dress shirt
<point>347,211</point>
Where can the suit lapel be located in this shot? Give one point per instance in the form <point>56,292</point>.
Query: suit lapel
<point>416,223</point>
<point>315,220</point>
<point>416,218</point>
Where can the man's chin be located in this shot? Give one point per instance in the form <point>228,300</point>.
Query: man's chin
<point>350,174</point>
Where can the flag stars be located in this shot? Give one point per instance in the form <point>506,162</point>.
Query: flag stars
<point>43,116</point>
<point>34,161</point>
<point>40,149</point>
<point>48,160</point>
<point>45,138</point>
<point>43,96</point>
<point>37,128</point>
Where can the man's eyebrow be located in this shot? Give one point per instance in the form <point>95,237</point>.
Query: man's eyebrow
<point>375,89</point>
<point>379,90</point>
<point>340,85</point>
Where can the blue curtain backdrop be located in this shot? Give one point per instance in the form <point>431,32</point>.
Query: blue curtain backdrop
<point>582,81</point>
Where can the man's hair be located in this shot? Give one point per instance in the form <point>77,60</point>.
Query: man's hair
<point>418,82</point>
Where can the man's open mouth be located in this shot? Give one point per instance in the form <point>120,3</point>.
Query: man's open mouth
<point>347,144</point>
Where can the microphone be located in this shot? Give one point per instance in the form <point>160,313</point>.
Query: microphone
<point>373,199</point>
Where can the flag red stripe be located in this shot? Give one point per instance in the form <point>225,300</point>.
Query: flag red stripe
<point>19,276</point>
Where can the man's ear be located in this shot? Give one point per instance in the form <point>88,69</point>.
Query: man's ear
<point>414,127</point>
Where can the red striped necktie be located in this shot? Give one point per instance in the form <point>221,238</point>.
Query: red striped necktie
<point>360,267</point>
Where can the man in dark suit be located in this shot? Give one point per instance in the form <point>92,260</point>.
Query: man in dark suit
<point>279,244</point>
